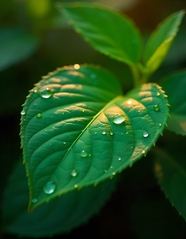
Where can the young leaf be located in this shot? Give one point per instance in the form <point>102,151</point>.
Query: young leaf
<point>15,45</point>
<point>175,86</point>
<point>77,129</point>
<point>63,214</point>
<point>107,31</point>
<point>161,40</point>
<point>170,169</point>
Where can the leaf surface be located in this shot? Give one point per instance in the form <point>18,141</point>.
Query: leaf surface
<point>105,30</point>
<point>63,214</point>
<point>161,40</point>
<point>175,87</point>
<point>15,45</point>
<point>77,129</point>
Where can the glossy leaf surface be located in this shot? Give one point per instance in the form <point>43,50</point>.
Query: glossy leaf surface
<point>175,86</point>
<point>59,216</point>
<point>170,169</point>
<point>77,129</point>
<point>161,40</point>
<point>15,45</point>
<point>105,30</point>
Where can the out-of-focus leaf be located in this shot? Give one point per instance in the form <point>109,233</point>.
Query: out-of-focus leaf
<point>58,216</point>
<point>106,30</point>
<point>15,45</point>
<point>170,170</point>
<point>161,40</point>
<point>175,86</point>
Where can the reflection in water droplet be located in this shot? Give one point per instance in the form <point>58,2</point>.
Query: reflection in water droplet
<point>83,154</point>
<point>111,133</point>
<point>113,173</point>
<point>74,173</point>
<point>158,93</point>
<point>23,112</point>
<point>76,66</point>
<point>39,115</point>
<point>49,187</point>
<point>159,125</point>
<point>145,134</point>
<point>119,158</point>
<point>76,186</point>
<point>104,132</point>
<point>46,93</point>
<point>156,108</point>
<point>34,200</point>
<point>143,152</point>
<point>118,119</point>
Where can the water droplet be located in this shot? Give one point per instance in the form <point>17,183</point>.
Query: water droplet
<point>95,133</point>
<point>46,93</point>
<point>111,133</point>
<point>118,119</point>
<point>64,142</point>
<point>119,158</point>
<point>83,154</point>
<point>156,108</point>
<point>76,186</point>
<point>113,173</point>
<point>83,111</point>
<point>50,187</point>
<point>105,170</point>
<point>121,133</point>
<point>74,173</point>
<point>145,134</point>
<point>76,66</point>
<point>35,104</point>
<point>127,132</point>
<point>39,115</point>
<point>111,166</point>
<point>104,132</point>
<point>34,200</point>
<point>159,125</point>
<point>143,152</point>
<point>158,93</point>
<point>23,112</point>
<point>129,102</point>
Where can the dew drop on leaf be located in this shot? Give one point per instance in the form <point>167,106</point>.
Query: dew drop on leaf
<point>46,93</point>
<point>50,187</point>
<point>118,119</point>
<point>83,154</point>
<point>119,159</point>
<point>34,200</point>
<point>145,134</point>
<point>111,133</point>
<point>156,108</point>
<point>76,186</point>
<point>104,132</point>
<point>159,125</point>
<point>74,173</point>
<point>23,112</point>
<point>158,93</point>
<point>39,115</point>
<point>76,66</point>
<point>143,152</point>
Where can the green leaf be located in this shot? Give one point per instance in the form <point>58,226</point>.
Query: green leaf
<point>160,41</point>
<point>78,130</point>
<point>106,30</point>
<point>170,170</point>
<point>63,214</point>
<point>175,86</point>
<point>15,45</point>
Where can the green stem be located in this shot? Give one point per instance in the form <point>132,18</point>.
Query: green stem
<point>136,75</point>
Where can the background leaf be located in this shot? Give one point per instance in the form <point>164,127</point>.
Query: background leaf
<point>78,130</point>
<point>63,214</point>
<point>106,30</point>
<point>161,40</point>
<point>175,85</point>
<point>170,170</point>
<point>15,45</point>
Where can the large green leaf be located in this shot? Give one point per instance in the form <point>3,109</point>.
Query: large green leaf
<point>63,214</point>
<point>170,169</point>
<point>15,45</point>
<point>175,86</point>
<point>77,129</point>
<point>107,31</point>
<point>161,40</point>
